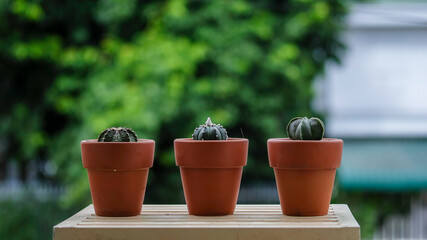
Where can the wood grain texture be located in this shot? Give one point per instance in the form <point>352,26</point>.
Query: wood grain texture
<point>174,222</point>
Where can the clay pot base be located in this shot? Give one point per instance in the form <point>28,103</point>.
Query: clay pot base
<point>305,192</point>
<point>117,174</point>
<point>211,191</point>
<point>211,172</point>
<point>117,193</point>
<point>305,173</point>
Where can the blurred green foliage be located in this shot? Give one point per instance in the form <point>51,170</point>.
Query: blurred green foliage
<point>30,220</point>
<point>70,69</point>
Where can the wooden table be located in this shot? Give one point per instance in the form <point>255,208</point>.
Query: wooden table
<point>173,222</point>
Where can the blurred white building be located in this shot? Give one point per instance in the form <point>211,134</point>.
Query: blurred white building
<point>377,101</point>
<point>380,90</point>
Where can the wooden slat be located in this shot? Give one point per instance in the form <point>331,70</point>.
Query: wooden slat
<point>266,215</point>
<point>169,221</point>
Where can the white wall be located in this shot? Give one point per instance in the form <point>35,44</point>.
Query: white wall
<point>380,89</point>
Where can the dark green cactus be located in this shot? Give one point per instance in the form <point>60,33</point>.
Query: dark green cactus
<point>117,134</point>
<point>302,128</point>
<point>210,131</point>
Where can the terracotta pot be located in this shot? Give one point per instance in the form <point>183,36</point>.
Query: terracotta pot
<point>117,174</point>
<point>211,172</point>
<point>305,173</point>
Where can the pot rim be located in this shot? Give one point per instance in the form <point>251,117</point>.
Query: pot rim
<point>95,141</point>
<point>229,153</point>
<point>117,155</point>
<point>286,153</point>
<point>190,140</point>
<point>322,141</point>
<point>118,170</point>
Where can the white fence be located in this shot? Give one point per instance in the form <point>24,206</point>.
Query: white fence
<point>37,191</point>
<point>411,226</point>
<point>263,193</point>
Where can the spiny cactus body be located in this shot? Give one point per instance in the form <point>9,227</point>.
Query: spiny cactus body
<point>117,134</point>
<point>210,131</point>
<point>302,128</point>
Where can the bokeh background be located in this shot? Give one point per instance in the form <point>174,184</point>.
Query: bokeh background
<point>69,69</point>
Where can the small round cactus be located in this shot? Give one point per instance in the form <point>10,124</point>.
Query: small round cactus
<point>302,128</point>
<point>210,131</point>
<point>117,134</point>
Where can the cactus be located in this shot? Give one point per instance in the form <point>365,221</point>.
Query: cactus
<point>210,131</point>
<point>302,128</point>
<point>117,134</point>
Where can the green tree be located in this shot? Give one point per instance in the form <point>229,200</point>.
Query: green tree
<point>248,65</point>
<point>69,69</point>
